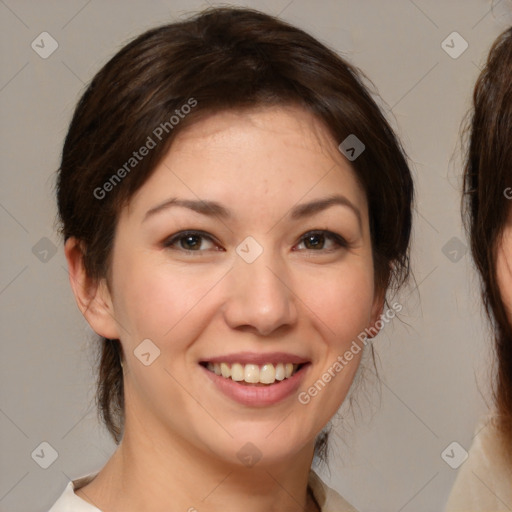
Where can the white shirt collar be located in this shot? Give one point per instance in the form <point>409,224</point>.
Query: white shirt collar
<point>328,499</point>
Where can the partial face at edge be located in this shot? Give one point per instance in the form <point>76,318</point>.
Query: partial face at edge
<point>504,266</point>
<point>198,298</point>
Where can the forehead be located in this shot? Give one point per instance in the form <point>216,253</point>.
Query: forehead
<point>282,128</point>
<point>268,156</point>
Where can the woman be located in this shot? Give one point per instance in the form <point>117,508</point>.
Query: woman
<point>234,208</point>
<point>484,482</point>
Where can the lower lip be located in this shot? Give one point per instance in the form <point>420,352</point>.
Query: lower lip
<point>258,396</point>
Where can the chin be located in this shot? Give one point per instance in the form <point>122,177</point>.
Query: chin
<point>271,444</point>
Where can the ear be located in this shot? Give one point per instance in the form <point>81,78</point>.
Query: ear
<point>92,297</point>
<point>377,308</point>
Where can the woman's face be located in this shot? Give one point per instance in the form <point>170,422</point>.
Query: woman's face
<point>230,254</point>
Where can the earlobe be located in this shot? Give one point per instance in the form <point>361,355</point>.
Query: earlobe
<point>92,297</point>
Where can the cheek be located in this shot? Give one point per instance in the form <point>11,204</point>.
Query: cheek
<point>157,302</point>
<point>341,301</point>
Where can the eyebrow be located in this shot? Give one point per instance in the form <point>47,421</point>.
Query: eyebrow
<point>214,209</point>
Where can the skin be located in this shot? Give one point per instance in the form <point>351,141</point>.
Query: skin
<point>504,265</point>
<point>182,435</point>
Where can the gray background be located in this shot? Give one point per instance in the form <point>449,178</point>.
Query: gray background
<point>434,366</point>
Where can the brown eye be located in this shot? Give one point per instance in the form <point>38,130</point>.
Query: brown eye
<point>314,241</point>
<point>322,240</point>
<point>191,241</point>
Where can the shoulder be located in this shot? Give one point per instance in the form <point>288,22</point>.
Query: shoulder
<point>484,481</point>
<point>328,499</point>
<point>70,502</point>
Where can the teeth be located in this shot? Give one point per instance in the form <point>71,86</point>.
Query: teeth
<point>237,372</point>
<point>253,373</point>
<point>225,370</point>
<point>267,374</point>
<point>280,372</point>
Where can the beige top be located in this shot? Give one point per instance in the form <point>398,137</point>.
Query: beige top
<point>484,481</point>
<point>328,499</point>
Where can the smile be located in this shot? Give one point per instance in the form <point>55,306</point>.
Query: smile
<point>265,374</point>
<point>255,379</point>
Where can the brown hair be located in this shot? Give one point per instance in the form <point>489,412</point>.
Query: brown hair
<point>223,58</point>
<point>487,177</point>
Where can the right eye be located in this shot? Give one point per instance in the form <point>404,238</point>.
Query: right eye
<point>189,241</point>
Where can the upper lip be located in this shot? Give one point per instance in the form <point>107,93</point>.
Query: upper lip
<point>257,358</point>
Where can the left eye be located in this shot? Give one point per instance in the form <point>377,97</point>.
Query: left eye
<point>316,240</point>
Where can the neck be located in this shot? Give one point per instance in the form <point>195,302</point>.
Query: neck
<point>161,472</point>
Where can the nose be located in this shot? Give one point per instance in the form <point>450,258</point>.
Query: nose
<point>260,298</point>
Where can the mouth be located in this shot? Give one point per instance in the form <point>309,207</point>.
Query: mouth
<point>256,380</point>
<point>253,374</point>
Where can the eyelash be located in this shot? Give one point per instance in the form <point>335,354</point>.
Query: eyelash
<point>338,240</point>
